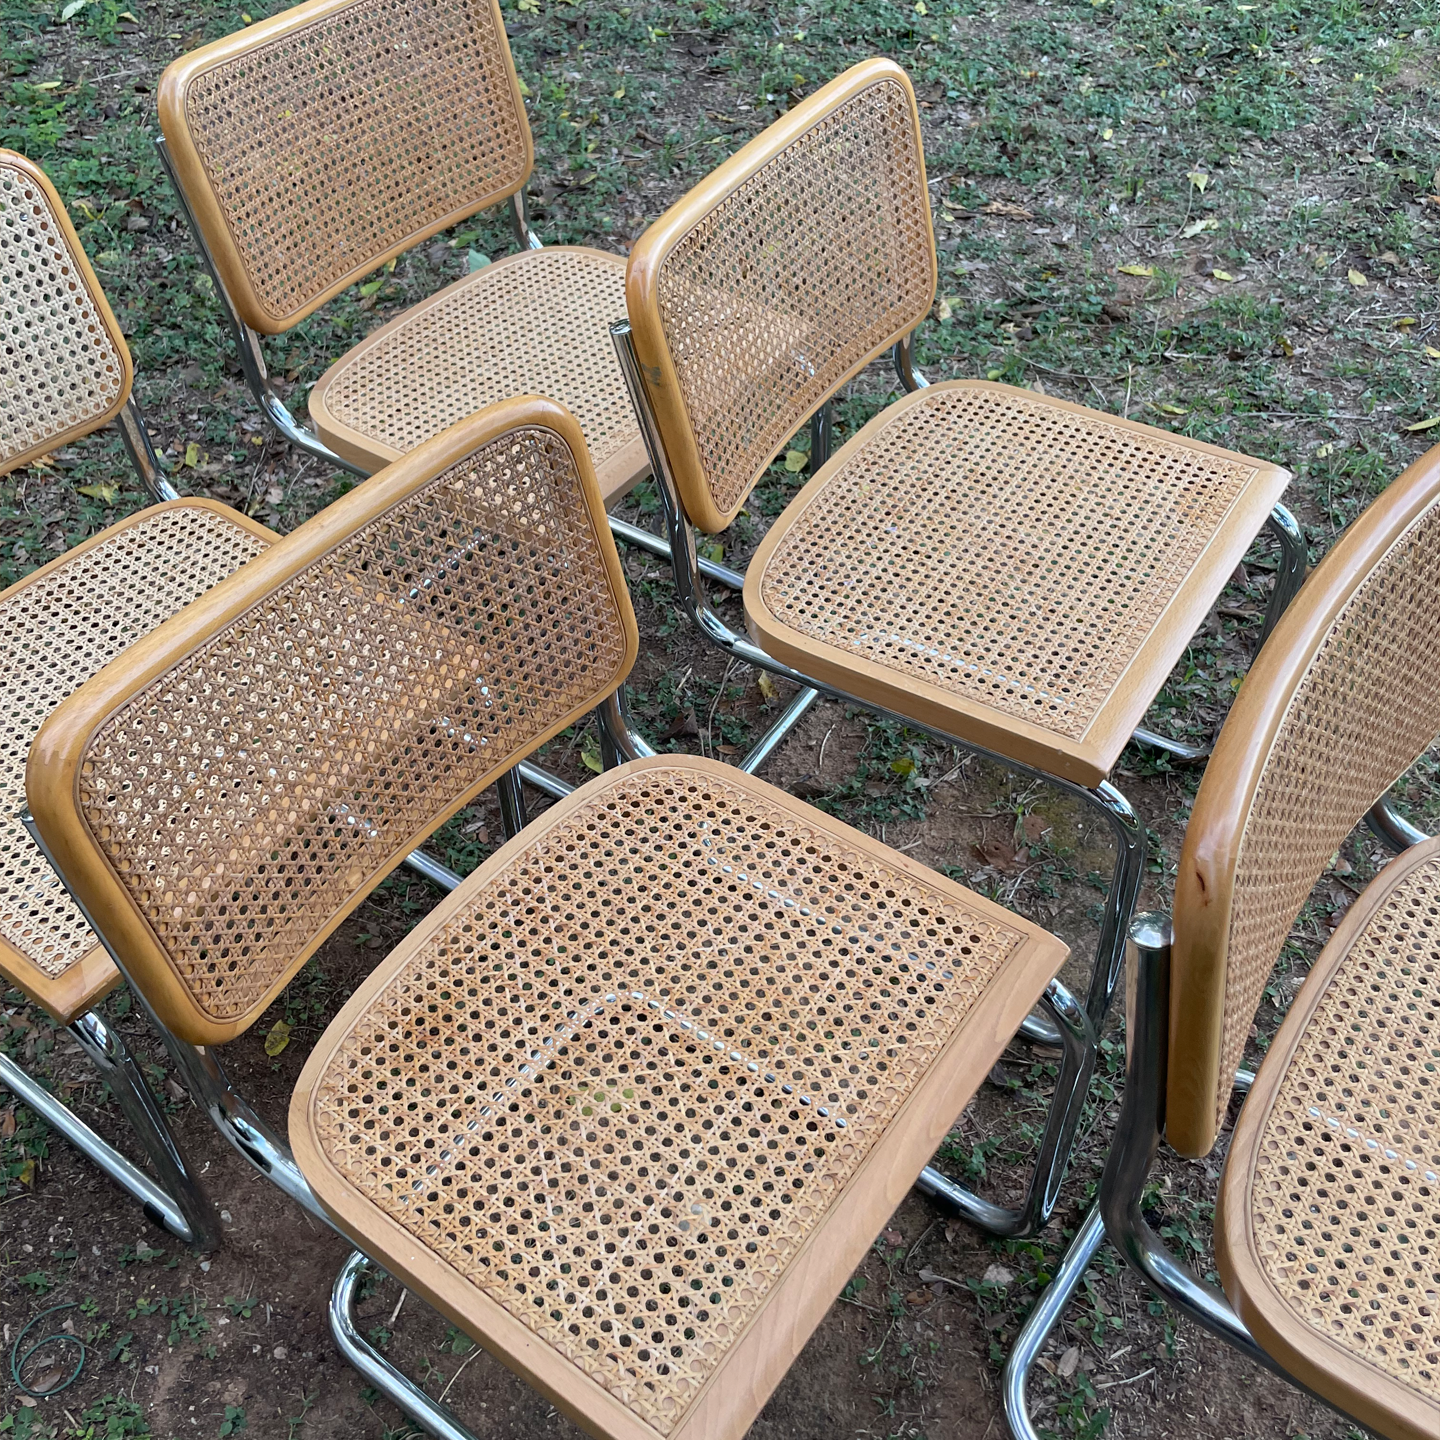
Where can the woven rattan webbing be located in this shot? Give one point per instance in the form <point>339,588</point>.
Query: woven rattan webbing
<point>1010,551</point>
<point>784,287</point>
<point>534,325</point>
<point>56,631</point>
<point>1368,706</point>
<point>331,145</point>
<point>1345,1197</point>
<point>60,368</point>
<point>621,1085</point>
<point>245,794</point>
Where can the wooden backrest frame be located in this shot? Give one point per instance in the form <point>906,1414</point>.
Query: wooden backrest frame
<point>260,143</point>
<point>83,316</point>
<point>1338,705</point>
<point>711,500</point>
<point>220,760</point>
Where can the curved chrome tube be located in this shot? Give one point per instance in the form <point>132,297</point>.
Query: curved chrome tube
<point>402,1392</point>
<point>903,356</point>
<point>141,450</point>
<point>1290,573</point>
<point>1042,1320</point>
<point>1391,828</point>
<point>160,1208</point>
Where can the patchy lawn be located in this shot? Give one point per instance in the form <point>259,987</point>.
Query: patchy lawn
<point>1220,219</point>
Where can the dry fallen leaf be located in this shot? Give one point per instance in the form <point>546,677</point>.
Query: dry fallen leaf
<point>1196,227</point>
<point>1007,209</point>
<point>767,686</point>
<point>1198,178</point>
<point>1068,1362</point>
<point>1224,275</point>
<point>796,460</point>
<point>1432,353</point>
<point>1429,424</point>
<point>1356,278</point>
<point>998,1275</point>
<point>1146,270</point>
<point>277,1039</point>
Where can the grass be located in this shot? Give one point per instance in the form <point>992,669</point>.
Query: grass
<point>1218,218</point>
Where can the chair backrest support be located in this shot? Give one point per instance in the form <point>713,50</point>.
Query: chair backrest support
<point>316,145</point>
<point>221,796</point>
<point>65,369</point>
<point>1341,701</point>
<point>778,278</point>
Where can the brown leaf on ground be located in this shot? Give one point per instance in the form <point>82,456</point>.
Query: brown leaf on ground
<point>1007,209</point>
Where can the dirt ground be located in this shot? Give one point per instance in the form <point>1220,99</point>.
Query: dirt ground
<point>1159,209</point>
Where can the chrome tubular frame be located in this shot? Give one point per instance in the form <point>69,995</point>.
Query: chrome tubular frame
<point>398,1388</point>
<point>1118,1213</point>
<point>141,449</point>
<point>1391,828</point>
<point>512,803</point>
<point>1076,1067</point>
<point>175,1209</point>
<point>525,237</point>
<point>1289,577</point>
<point>903,356</point>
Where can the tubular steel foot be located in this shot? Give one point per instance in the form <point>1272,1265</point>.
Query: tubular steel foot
<point>1043,1318</point>
<point>399,1389</point>
<point>183,1209</point>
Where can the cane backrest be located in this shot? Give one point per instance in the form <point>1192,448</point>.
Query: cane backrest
<point>59,626</point>
<point>64,367</point>
<point>778,278</point>
<point>232,787</point>
<point>1341,701</point>
<point>314,146</point>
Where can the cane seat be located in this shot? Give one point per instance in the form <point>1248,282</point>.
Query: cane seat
<point>1007,567</point>
<point>533,322</point>
<point>58,627</point>
<point>1328,1236</point>
<point>631,1104</point>
<point>318,145</point>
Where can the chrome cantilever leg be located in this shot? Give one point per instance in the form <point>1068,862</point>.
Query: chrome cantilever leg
<point>1042,1320</point>
<point>141,450</point>
<point>903,356</point>
<point>247,343</point>
<point>399,1389</point>
<point>512,803</point>
<point>180,1207</point>
<point>1390,827</point>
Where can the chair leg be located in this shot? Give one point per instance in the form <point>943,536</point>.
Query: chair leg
<point>399,1389</point>
<point>1043,1319</point>
<point>1078,1064</point>
<point>179,1206</point>
<point>512,803</point>
<point>1290,574</point>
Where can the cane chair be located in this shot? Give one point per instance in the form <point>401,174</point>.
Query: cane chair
<point>311,148</point>
<point>662,1066</point>
<point>1327,1233</point>
<point>1011,572</point>
<point>66,372</point>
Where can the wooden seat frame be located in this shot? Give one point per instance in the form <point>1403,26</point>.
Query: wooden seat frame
<point>649,367</point>
<point>76,850</point>
<point>1183,979</point>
